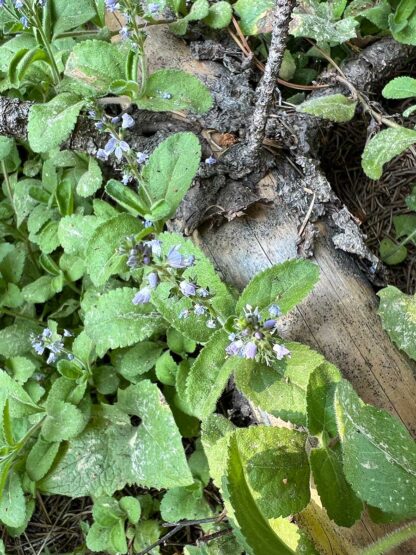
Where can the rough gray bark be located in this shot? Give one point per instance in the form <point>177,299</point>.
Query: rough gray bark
<point>265,90</point>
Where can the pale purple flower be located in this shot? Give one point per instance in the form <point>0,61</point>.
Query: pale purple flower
<point>143,296</point>
<point>47,333</point>
<point>199,310</point>
<point>142,157</point>
<point>281,351</point>
<point>147,224</point>
<point>2,3</point>
<point>166,95</point>
<point>274,310</point>
<point>201,292</point>
<point>211,161</point>
<point>115,120</point>
<point>234,348</point>
<point>68,333</point>
<point>269,324</point>
<point>250,351</point>
<point>102,155</point>
<point>183,314</point>
<point>70,356</point>
<point>188,289</point>
<point>51,358</point>
<point>42,3</point>
<point>153,7</point>
<point>211,324</point>
<point>112,5</point>
<point>176,260</point>
<point>124,33</point>
<point>259,335</point>
<point>99,125</point>
<point>126,179</point>
<point>19,4</point>
<point>127,121</point>
<point>38,347</point>
<point>117,146</point>
<point>153,279</point>
<point>24,21</point>
<point>155,245</point>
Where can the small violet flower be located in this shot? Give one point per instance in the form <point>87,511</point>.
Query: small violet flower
<point>143,296</point>
<point>19,4</point>
<point>153,7</point>
<point>211,161</point>
<point>153,280</point>
<point>269,324</point>
<point>25,22</point>
<point>250,351</point>
<point>127,121</point>
<point>117,146</point>
<point>199,310</point>
<point>142,157</point>
<point>112,5</point>
<point>274,310</point>
<point>188,289</point>
<point>281,351</point>
<point>124,33</point>
<point>211,324</point>
<point>176,260</point>
<point>102,155</point>
<point>183,314</point>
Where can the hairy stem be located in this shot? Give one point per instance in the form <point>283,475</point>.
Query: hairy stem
<point>267,86</point>
<point>389,542</point>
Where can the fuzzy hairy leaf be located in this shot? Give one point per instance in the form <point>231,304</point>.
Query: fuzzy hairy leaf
<point>337,496</point>
<point>204,275</point>
<point>257,534</point>
<point>403,22</point>
<point>114,321</point>
<point>335,107</point>
<point>185,503</point>
<point>96,64</point>
<point>319,21</point>
<point>92,179</point>
<point>219,15</point>
<point>101,257</point>
<point>320,399</point>
<point>133,362</point>
<point>174,89</point>
<point>391,253</point>
<point>40,458</point>
<point>285,284</point>
<point>398,315</point>
<point>111,452</point>
<point>216,434</point>
<point>379,455</point>
<point>171,169</point>
<point>15,339</point>
<point>12,502</point>
<point>199,10</point>
<point>280,389</point>
<point>400,87</point>
<point>75,231</point>
<point>69,16</point>
<point>208,376</point>
<point>51,123</point>
<point>255,17</point>
<point>385,146</point>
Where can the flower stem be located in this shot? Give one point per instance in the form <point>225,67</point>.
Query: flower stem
<point>389,542</point>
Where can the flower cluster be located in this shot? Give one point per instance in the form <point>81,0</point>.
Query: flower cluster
<point>52,342</point>
<point>255,337</point>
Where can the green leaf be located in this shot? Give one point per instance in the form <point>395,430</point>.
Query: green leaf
<point>204,275</point>
<point>398,316</point>
<point>174,89</point>
<point>125,197</point>
<point>199,10</point>
<point>118,541</point>
<point>147,533</point>
<point>23,202</point>
<point>92,179</point>
<point>178,343</point>
<point>133,362</point>
<point>276,469</point>
<point>166,369</point>
<point>219,15</point>
<point>98,538</point>
<point>209,375</point>
<point>403,22</point>
<point>258,534</point>
<point>116,322</point>
<point>316,21</point>
<point>391,253</point>
<point>320,399</point>
<point>96,64</point>
<point>335,107</point>
<point>12,502</point>
<point>64,421</point>
<point>185,503</point>
<point>131,506</point>
<point>379,454</point>
<point>15,339</point>
<point>51,123</point>
<point>6,147</point>
<point>285,284</point>
<point>102,257</point>
<point>400,87</point>
<point>171,169</point>
<point>409,111</point>
<point>405,226</point>
<point>377,11</point>
<point>385,146</point>
<point>280,389</point>
<point>68,16</point>
<point>75,231</point>
<point>255,17</point>
<point>216,434</point>
<point>411,200</point>
<point>111,452</point>
<point>22,368</point>
<point>40,458</point>
<point>337,496</point>
<point>40,290</point>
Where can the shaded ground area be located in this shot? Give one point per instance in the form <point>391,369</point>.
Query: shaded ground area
<point>373,203</point>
